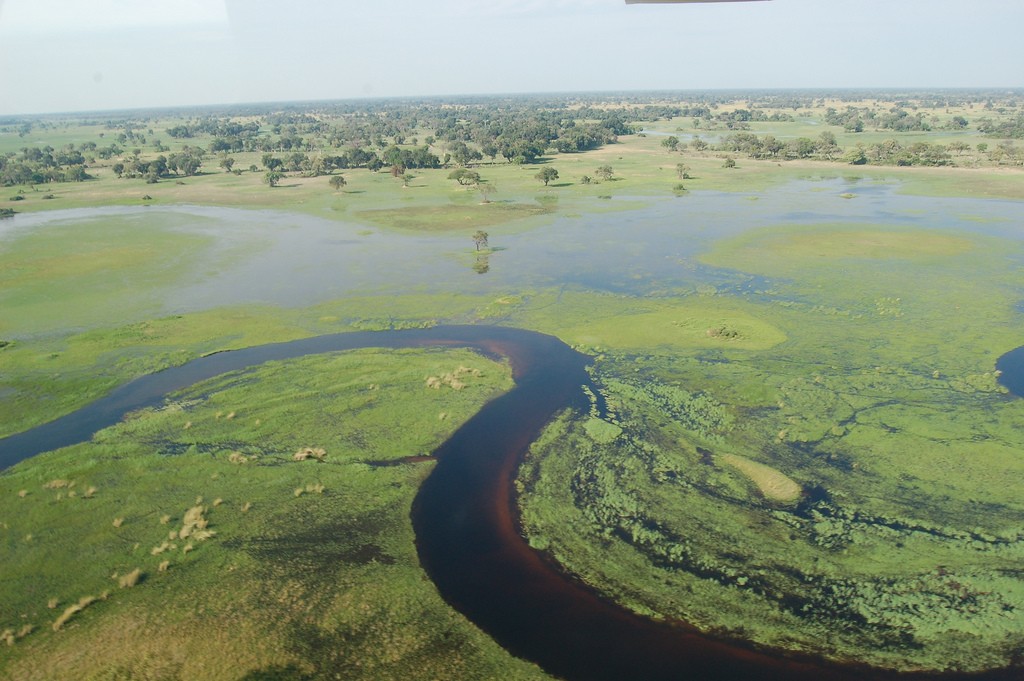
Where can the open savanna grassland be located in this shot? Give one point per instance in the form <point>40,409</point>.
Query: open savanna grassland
<point>429,201</point>
<point>874,393</point>
<point>255,526</point>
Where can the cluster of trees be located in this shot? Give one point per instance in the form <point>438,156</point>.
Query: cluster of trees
<point>522,132</point>
<point>33,165</point>
<point>387,134</point>
<point>898,119</point>
<point>465,176</point>
<point>215,127</point>
<point>324,164</point>
<point>891,152</point>
<point>769,147</point>
<point>466,131</point>
<point>604,172</point>
<point>1011,129</point>
<point>186,162</point>
<point>887,152</point>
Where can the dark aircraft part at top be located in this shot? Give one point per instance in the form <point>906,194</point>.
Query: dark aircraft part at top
<point>665,2</point>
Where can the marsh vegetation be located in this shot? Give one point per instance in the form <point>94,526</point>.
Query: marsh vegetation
<point>804,444</point>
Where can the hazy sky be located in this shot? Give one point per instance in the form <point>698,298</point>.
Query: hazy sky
<point>82,55</point>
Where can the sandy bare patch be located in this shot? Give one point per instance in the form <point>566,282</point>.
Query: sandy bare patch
<point>772,483</point>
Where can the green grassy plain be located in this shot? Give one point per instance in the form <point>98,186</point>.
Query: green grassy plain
<point>310,568</point>
<point>863,373</point>
<point>641,166</point>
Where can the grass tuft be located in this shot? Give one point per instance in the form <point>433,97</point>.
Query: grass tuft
<point>306,453</point>
<point>131,579</point>
<point>73,610</point>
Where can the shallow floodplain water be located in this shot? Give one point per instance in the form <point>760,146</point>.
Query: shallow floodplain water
<point>296,260</point>
<point>882,394</point>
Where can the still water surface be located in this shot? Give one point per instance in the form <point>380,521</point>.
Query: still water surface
<point>297,260</point>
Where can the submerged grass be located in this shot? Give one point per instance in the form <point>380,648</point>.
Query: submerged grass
<point>894,541</point>
<point>450,217</point>
<point>80,274</point>
<point>47,376</point>
<point>859,372</point>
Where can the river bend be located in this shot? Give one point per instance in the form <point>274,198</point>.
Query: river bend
<point>465,520</point>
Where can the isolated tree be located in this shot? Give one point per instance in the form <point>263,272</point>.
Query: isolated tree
<point>407,178</point>
<point>337,182</point>
<point>671,143</point>
<point>464,176</point>
<point>586,179</point>
<point>227,164</point>
<point>683,171</point>
<point>546,175</point>
<point>605,173</point>
<point>480,239</point>
<point>272,177</point>
<point>486,189</point>
<point>697,144</point>
<point>730,162</point>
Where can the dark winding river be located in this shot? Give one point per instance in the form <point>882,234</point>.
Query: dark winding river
<point>465,520</point>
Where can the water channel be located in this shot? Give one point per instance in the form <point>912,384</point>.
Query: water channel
<point>464,515</point>
<point>465,519</point>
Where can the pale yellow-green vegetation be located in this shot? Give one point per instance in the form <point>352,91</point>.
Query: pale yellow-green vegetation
<point>453,379</point>
<point>450,217</point>
<point>779,251</point>
<point>772,483</point>
<point>317,453</point>
<point>72,610</point>
<point>129,580</point>
<point>621,323</point>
